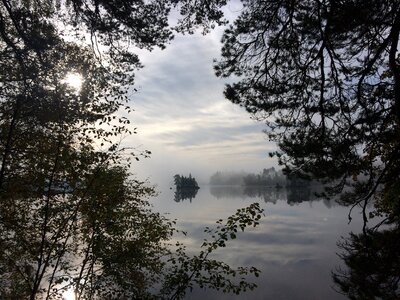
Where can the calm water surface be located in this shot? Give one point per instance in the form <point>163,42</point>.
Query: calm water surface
<point>295,245</point>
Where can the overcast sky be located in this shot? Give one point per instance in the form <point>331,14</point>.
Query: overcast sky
<point>184,120</point>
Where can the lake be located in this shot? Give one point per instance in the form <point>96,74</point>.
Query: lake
<point>295,245</point>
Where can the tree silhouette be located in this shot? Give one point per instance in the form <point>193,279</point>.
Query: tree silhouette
<point>185,182</point>
<point>71,215</point>
<point>325,77</point>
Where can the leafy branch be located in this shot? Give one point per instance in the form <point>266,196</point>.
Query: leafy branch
<point>206,272</point>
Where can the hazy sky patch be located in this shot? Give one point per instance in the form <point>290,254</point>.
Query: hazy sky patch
<point>184,119</point>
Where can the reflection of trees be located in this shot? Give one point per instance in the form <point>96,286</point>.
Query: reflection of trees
<point>184,193</point>
<point>291,194</point>
<point>298,194</point>
<point>94,235</point>
<point>312,65</point>
<point>103,242</point>
<point>373,265</point>
<point>265,193</point>
<point>71,216</point>
<point>186,188</point>
<point>268,194</point>
<point>234,191</point>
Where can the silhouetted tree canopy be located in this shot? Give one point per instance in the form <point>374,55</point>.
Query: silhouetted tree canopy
<point>72,217</point>
<point>185,182</point>
<point>325,77</point>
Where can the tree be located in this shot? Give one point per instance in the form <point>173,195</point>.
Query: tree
<point>182,182</point>
<point>71,215</point>
<point>325,77</point>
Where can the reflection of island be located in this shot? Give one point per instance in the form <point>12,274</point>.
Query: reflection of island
<point>373,265</point>
<point>186,188</point>
<point>182,194</point>
<point>269,185</point>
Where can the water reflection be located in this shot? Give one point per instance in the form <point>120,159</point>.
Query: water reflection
<point>292,195</point>
<point>296,245</point>
<point>372,262</point>
<point>185,193</point>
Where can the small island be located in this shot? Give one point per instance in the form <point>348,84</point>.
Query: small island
<point>182,182</point>
<point>186,188</point>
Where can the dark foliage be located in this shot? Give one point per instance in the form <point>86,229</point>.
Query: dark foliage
<point>71,215</point>
<point>373,265</point>
<point>185,193</point>
<point>325,77</point>
<point>185,182</point>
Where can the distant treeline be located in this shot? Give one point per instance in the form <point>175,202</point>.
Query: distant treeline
<point>267,178</point>
<point>185,182</point>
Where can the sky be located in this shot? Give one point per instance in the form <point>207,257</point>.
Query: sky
<point>182,116</point>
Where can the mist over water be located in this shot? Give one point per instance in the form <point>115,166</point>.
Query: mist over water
<point>295,245</point>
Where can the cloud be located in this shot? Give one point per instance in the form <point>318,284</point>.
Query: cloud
<point>183,118</point>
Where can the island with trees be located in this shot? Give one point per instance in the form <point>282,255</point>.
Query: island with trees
<point>183,182</point>
<point>324,76</point>
<point>186,188</point>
